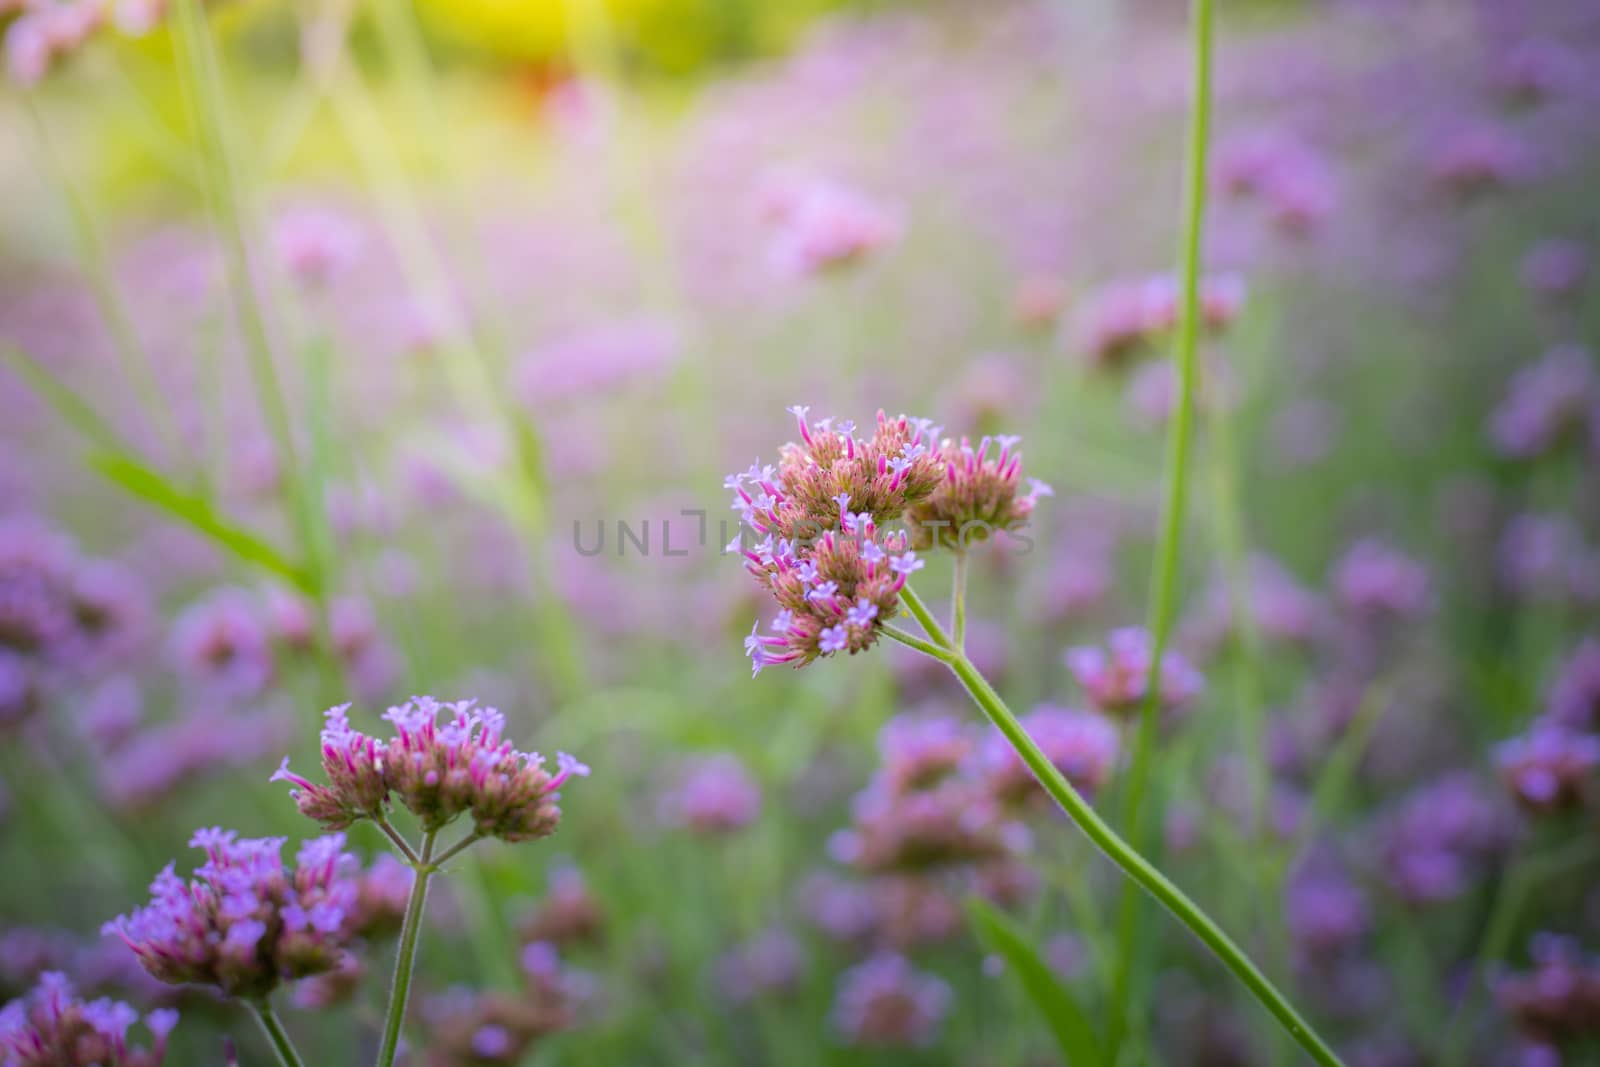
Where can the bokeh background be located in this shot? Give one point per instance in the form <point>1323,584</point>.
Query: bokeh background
<point>385,315</point>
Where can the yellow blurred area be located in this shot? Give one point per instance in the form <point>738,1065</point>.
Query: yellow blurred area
<point>674,35</point>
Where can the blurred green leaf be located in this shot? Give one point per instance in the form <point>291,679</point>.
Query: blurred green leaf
<point>72,409</point>
<point>154,488</point>
<point>1073,1032</point>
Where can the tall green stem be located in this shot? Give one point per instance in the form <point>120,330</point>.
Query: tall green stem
<point>1164,584</point>
<point>276,1035</point>
<point>1141,872</point>
<point>406,956</point>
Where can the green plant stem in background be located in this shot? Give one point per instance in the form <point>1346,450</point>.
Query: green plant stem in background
<point>406,954</point>
<point>276,1035</point>
<point>1164,583</point>
<point>1141,872</point>
<point>958,601</point>
<point>131,352</point>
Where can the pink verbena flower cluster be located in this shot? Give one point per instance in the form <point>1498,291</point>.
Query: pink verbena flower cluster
<point>825,557</point>
<point>437,771</point>
<point>245,922</point>
<point>977,496</point>
<point>53,1027</point>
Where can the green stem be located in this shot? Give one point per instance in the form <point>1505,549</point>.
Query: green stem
<point>460,846</point>
<point>958,601</point>
<point>276,1035</point>
<point>406,955</point>
<point>1140,871</point>
<point>912,641</point>
<point>400,843</point>
<point>924,617</point>
<point>1163,592</point>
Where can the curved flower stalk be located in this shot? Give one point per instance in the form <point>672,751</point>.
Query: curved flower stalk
<point>441,772</point>
<point>803,574</point>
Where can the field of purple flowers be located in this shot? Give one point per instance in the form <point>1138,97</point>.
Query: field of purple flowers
<point>1205,671</point>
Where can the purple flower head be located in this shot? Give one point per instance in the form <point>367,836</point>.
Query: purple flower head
<point>1283,609</point>
<point>885,1003</point>
<point>1556,269</point>
<point>45,35</point>
<point>767,965</point>
<point>245,922</point>
<point>1550,768</point>
<point>954,823</point>
<point>437,770</point>
<point>569,913</point>
<point>1544,557</point>
<point>1558,999</point>
<point>1115,676</point>
<point>715,795</point>
<point>1482,159</point>
<point>920,751</point>
<point>53,1027</point>
<point>1575,694</point>
<point>1374,581</point>
<point>821,226</point>
<point>1326,914</point>
<point>221,643</point>
<point>1547,403</point>
<point>37,568</point>
<point>20,694</point>
<point>316,243</point>
<point>835,574</point>
<point>982,493</point>
<point>1431,844</point>
<point>1082,745</point>
<point>1125,320</point>
<point>843,911</point>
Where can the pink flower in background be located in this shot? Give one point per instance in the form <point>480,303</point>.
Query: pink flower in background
<point>1553,400</point>
<point>1082,745</point>
<point>1556,268</point>
<point>1115,675</point>
<point>1480,159</point>
<point>594,362</point>
<point>316,243</point>
<point>53,1027</point>
<point>221,643</point>
<point>1376,581</point>
<point>715,795</point>
<point>819,226</point>
<point>885,1003</point>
